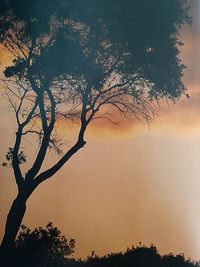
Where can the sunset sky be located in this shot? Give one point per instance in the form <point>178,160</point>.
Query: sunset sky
<point>131,183</point>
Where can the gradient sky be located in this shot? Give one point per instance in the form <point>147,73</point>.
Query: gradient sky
<point>131,183</point>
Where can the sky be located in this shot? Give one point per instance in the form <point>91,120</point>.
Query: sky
<point>131,183</point>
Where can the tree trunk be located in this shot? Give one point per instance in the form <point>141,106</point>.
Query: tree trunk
<point>14,219</point>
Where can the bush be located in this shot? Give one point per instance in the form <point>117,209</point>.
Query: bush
<point>43,247</point>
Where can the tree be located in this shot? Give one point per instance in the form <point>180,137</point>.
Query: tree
<point>140,256</point>
<point>72,59</point>
<point>43,246</point>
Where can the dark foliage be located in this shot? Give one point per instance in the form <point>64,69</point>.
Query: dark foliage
<point>41,247</point>
<point>46,247</point>
<point>145,31</point>
<point>140,256</point>
<point>9,157</point>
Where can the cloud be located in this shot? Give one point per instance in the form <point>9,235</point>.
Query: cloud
<point>182,117</point>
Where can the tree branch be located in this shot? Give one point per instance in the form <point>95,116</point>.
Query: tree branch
<point>50,172</point>
<point>78,145</point>
<point>47,130</point>
<point>15,161</point>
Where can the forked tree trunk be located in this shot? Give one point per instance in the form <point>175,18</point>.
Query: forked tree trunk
<point>13,222</point>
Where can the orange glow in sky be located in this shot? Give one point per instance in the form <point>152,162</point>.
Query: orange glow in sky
<point>131,183</point>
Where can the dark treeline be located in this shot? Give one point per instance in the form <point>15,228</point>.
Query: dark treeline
<point>46,247</point>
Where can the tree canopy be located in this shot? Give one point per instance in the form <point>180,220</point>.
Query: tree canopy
<point>88,36</point>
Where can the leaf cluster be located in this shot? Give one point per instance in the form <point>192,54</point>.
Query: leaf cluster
<point>43,245</point>
<point>9,157</point>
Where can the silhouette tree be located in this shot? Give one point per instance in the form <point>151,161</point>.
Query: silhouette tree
<point>43,246</point>
<point>179,260</point>
<point>71,60</point>
<point>141,256</point>
<point>46,246</point>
